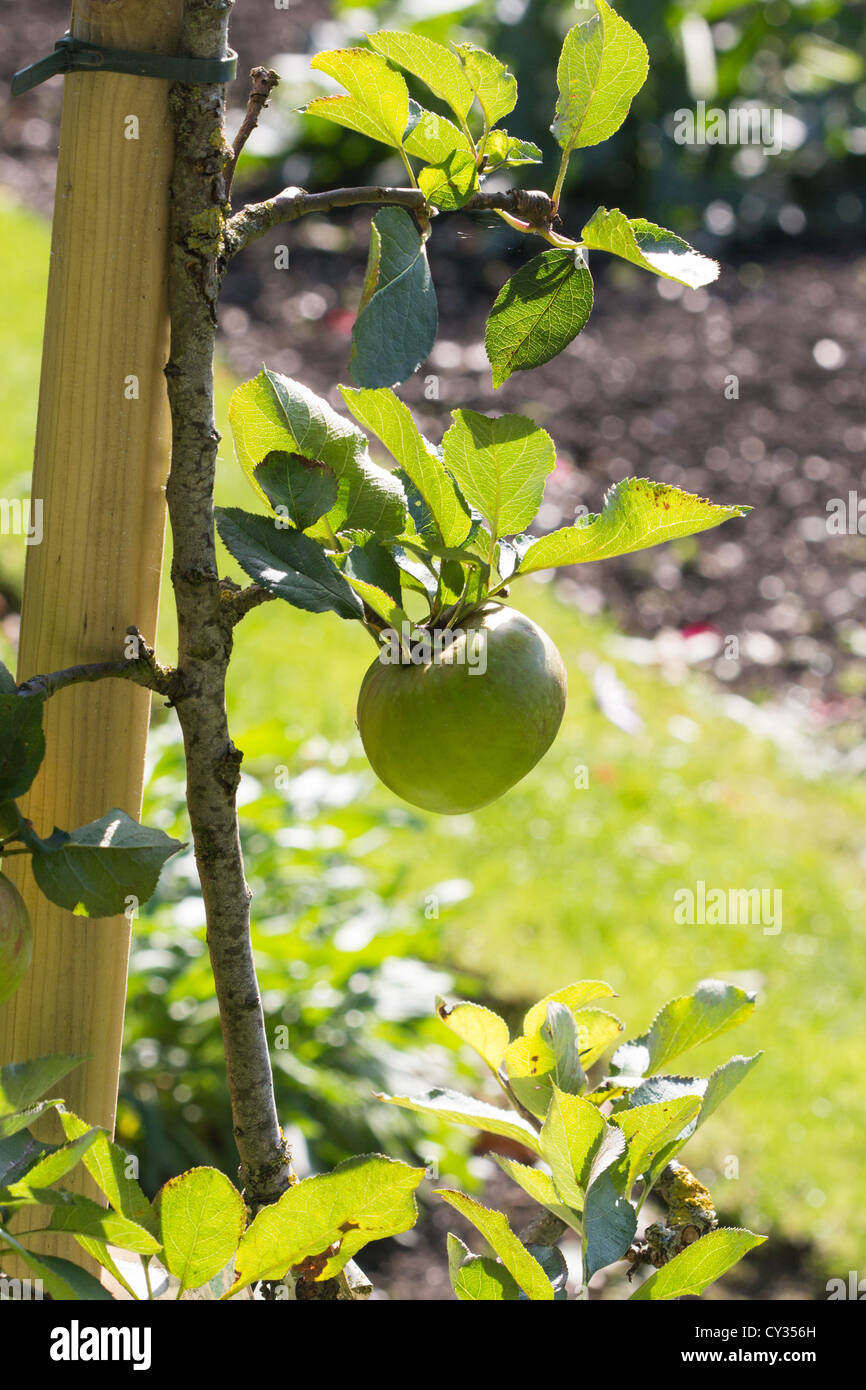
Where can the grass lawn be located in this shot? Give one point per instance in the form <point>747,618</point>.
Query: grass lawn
<point>574,881</point>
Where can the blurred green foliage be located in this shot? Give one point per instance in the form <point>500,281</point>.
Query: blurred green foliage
<point>344,957</point>
<point>805,59</point>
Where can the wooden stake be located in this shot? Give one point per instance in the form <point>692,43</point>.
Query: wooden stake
<point>101,460</point>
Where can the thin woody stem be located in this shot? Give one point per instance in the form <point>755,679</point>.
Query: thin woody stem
<point>533,206</point>
<point>243,601</point>
<point>142,669</point>
<point>263,80</point>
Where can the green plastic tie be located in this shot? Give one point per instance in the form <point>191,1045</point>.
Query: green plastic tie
<point>74,55</point>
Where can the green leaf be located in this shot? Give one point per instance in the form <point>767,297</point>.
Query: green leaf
<point>710,1093</point>
<point>373,573</point>
<point>610,1223</point>
<point>81,1216</point>
<point>17,1154</point>
<point>378,100</point>
<point>201,1221</point>
<point>504,151</point>
<point>660,1088</point>
<point>510,553</point>
<point>415,573</point>
<point>450,184</point>
<point>304,488</point>
<point>596,1030</point>
<point>462,555</point>
<point>363,1199</point>
<point>107,1164</point>
<point>20,1119</point>
<point>636,514</point>
<point>481,1028</point>
<point>682,1023</point>
<point>535,1063</point>
<point>602,66</point>
<point>396,328</point>
<point>8,685</point>
<point>723,1081</point>
<point>537,313</point>
<point>432,63</point>
<point>455,1108</point>
<point>96,869</point>
<point>570,1136</point>
<point>491,81</point>
<point>272,412</point>
<point>287,563</point>
<point>649,1128</point>
<point>452,175</point>
<point>494,1227</point>
<point>650,247</point>
<point>98,1250</point>
<point>574,996</point>
<point>391,421</point>
<point>605,1154</point>
<point>22,1083</point>
<point>48,1169</point>
<point>22,743</point>
<point>372,562</point>
<point>62,1279</point>
<point>560,1033</point>
<point>552,1261</point>
<point>698,1266</point>
<point>540,1187</point>
<point>500,465</point>
<point>481,1279</point>
<point>458,1251</point>
<point>529,1065</point>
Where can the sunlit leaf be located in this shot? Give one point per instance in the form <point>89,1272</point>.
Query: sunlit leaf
<point>636,514</point>
<point>538,311</point>
<point>650,247</point>
<point>698,1266</point>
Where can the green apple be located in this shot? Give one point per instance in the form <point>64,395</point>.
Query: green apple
<point>16,939</point>
<point>456,726</point>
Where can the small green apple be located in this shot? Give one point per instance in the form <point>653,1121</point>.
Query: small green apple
<point>453,730</point>
<point>16,939</point>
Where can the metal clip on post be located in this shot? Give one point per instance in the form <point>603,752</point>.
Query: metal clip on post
<point>74,55</point>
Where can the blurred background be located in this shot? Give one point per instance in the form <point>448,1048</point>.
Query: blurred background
<point>717,683</point>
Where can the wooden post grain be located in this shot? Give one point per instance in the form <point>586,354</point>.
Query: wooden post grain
<point>101,460</point>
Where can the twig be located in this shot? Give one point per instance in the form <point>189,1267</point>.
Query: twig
<point>142,669</point>
<point>243,601</point>
<point>534,206</point>
<point>264,80</point>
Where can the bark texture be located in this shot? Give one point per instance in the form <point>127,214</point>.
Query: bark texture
<point>205,608</point>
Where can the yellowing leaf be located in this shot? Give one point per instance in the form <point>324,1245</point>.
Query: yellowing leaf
<point>201,1220</point>
<point>363,1199</point>
<point>481,1028</point>
<point>636,514</point>
<point>573,996</point>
